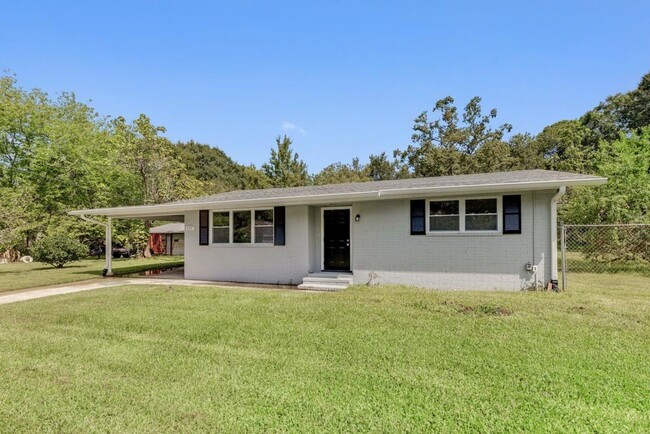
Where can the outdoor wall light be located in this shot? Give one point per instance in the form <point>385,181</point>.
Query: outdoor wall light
<point>357,218</point>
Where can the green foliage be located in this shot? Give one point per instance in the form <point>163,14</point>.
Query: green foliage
<point>58,250</point>
<point>447,145</point>
<point>626,196</point>
<point>562,145</point>
<point>23,119</point>
<point>285,168</point>
<point>636,113</point>
<point>212,166</point>
<point>379,168</point>
<point>338,173</point>
<point>525,153</point>
<point>151,161</point>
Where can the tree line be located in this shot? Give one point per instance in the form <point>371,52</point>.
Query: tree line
<point>58,154</point>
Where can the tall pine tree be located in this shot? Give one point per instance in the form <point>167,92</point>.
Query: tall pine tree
<point>285,168</point>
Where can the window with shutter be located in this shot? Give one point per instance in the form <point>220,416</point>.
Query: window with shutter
<point>204,228</point>
<point>512,214</point>
<point>418,217</point>
<point>279,223</point>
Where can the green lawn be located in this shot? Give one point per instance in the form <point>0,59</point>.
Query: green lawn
<point>20,276</point>
<point>390,359</point>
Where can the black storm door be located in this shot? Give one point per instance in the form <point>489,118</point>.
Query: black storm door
<point>336,239</point>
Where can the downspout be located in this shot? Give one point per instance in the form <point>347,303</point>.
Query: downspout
<point>108,268</point>
<point>554,200</point>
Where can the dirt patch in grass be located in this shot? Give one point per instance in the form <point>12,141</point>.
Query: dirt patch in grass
<point>480,309</point>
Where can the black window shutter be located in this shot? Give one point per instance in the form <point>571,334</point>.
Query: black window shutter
<point>512,214</point>
<point>279,223</point>
<point>204,228</point>
<point>418,226</point>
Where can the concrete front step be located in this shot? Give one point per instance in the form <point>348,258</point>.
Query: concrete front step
<point>326,281</point>
<point>322,287</point>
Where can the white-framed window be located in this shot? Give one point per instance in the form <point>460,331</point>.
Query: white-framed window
<point>467,215</point>
<point>263,226</point>
<point>482,214</point>
<point>243,226</point>
<point>444,215</point>
<point>221,227</point>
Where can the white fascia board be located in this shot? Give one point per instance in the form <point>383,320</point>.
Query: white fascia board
<point>173,209</point>
<point>492,188</point>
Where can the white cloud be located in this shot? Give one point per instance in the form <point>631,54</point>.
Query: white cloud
<point>290,126</point>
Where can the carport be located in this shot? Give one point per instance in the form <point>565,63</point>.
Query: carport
<point>147,212</point>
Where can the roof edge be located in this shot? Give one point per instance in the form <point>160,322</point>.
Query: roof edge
<point>171,209</point>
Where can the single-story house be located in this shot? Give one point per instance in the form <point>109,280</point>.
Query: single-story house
<point>482,231</point>
<point>168,239</point>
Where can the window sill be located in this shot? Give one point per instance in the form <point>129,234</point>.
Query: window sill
<point>242,245</point>
<point>465,234</point>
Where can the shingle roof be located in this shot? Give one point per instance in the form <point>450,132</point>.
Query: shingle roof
<point>169,228</point>
<point>495,178</point>
<point>346,193</point>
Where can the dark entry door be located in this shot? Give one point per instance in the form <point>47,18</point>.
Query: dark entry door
<point>336,239</point>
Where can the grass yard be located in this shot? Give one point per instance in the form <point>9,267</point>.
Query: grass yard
<point>21,276</point>
<point>159,359</point>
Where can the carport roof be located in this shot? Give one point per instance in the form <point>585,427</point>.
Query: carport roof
<point>169,228</point>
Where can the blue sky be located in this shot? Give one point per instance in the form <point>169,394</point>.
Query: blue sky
<point>343,79</point>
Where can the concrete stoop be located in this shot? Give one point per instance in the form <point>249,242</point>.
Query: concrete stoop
<point>326,281</point>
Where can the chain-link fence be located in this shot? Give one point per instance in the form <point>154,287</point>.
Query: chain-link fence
<point>604,249</point>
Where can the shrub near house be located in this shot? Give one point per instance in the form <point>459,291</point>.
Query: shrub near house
<point>58,250</point>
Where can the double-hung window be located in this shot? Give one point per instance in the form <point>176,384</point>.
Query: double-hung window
<point>444,216</point>
<point>481,215</point>
<point>221,227</point>
<point>243,227</point>
<point>474,215</point>
<point>264,226</point>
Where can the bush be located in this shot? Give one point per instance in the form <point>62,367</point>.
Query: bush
<point>58,250</point>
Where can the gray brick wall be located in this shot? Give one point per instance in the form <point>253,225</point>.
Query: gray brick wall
<point>250,263</point>
<point>382,244</point>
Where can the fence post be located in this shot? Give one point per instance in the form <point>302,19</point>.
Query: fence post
<point>563,252</point>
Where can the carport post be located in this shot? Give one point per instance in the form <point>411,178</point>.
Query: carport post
<point>109,247</point>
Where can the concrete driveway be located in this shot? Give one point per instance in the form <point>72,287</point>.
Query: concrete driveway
<point>170,278</point>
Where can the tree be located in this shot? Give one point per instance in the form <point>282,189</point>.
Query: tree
<point>563,148</point>
<point>525,153</point>
<point>623,112</point>
<point>255,179</point>
<point>636,113</point>
<point>58,250</point>
<point>285,168</point>
<point>494,156</point>
<point>150,161</point>
<point>15,219</point>
<point>446,145</point>
<point>211,165</point>
<point>23,117</point>
<point>379,168</point>
<point>339,173</point>
<point>626,196</point>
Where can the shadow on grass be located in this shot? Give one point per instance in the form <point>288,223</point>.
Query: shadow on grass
<point>137,268</point>
<point>43,268</point>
